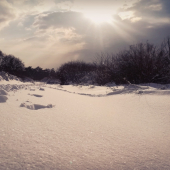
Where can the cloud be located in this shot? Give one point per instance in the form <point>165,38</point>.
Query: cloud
<point>60,19</point>
<point>35,4</point>
<point>56,31</point>
<point>7,13</point>
<point>63,1</point>
<point>110,6</point>
<point>152,11</point>
<point>51,44</point>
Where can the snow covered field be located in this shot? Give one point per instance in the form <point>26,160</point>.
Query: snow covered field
<point>46,127</point>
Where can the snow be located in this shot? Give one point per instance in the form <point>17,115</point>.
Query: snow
<point>71,127</point>
<point>7,77</point>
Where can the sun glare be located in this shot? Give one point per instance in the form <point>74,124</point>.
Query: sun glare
<point>99,18</point>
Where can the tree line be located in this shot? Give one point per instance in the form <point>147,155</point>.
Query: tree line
<point>141,63</point>
<point>14,66</point>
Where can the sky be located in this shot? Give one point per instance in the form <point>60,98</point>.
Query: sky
<point>48,33</point>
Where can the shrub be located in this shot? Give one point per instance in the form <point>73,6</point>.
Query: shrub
<point>141,63</point>
<point>38,73</point>
<point>104,69</point>
<point>73,71</point>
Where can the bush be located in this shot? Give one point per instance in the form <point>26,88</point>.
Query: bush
<point>74,72</point>
<point>142,63</point>
<point>38,73</point>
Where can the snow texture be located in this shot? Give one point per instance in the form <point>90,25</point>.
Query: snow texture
<point>90,127</point>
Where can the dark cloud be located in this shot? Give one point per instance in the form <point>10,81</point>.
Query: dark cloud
<point>151,9</point>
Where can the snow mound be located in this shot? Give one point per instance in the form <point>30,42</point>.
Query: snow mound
<point>3,92</point>
<point>7,77</point>
<point>36,106</point>
<point>3,99</point>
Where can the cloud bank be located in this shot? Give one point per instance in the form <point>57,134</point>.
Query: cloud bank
<point>48,33</point>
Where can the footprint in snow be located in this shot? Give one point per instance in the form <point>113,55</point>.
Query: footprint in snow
<point>3,98</point>
<point>36,106</point>
<point>36,95</point>
<point>14,88</point>
<point>3,92</point>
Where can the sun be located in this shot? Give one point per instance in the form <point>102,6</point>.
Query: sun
<point>99,18</point>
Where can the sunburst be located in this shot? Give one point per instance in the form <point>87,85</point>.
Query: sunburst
<point>99,18</point>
